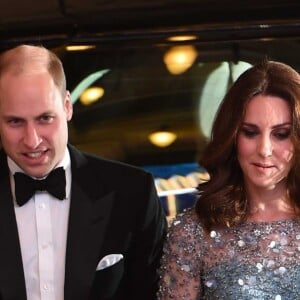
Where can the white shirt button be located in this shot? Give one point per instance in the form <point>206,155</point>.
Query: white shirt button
<point>42,205</point>
<point>45,246</point>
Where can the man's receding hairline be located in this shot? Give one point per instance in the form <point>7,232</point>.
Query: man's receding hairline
<point>24,58</point>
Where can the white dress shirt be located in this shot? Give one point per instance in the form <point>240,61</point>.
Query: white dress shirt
<point>42,225</point>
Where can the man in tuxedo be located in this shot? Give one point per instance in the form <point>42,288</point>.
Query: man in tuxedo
<point>73,226</point>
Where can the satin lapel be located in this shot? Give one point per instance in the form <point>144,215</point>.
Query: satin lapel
<point>12,283</point>
<point>88,218</point>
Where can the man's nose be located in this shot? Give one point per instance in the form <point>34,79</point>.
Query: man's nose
<point>31,137</point>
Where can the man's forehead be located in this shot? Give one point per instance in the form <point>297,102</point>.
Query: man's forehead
<point>23,58</point>
<point>23,73</point>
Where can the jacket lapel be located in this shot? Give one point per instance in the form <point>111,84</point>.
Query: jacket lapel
<point>89,214</point>
<point>12,282</point>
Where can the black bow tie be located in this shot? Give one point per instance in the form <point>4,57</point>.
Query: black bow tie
<point>54,184</point>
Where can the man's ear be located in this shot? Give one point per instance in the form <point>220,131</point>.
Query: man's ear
<point>68,106</point>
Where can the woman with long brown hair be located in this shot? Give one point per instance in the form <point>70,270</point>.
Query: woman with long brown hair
<point>242,238</point>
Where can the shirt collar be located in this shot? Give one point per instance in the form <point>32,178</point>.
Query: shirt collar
<point>65,163</point>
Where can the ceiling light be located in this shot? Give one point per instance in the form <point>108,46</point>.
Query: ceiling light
<point>91,95</point>
<point>85,83</point>
<point>178,59</point>
<point>162,138</point>
<point>79,47</point>
<point>182,38</point>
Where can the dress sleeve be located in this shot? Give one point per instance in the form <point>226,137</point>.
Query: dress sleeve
<point>180,265</point>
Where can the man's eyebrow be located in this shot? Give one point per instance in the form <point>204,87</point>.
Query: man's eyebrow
<point>7,117</point>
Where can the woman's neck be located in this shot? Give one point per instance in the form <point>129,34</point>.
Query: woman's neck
<point>270,205</point>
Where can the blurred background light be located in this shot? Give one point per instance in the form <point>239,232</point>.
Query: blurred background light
<point>79,47</point>
<point>162,138</point>
<point>179,59</point>
<point>91,95</point>
<point>182,38</point>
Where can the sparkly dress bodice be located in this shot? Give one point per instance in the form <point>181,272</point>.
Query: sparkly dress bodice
<point>252,261</point>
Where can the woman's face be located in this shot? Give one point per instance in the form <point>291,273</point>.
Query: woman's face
<point>264,146</point>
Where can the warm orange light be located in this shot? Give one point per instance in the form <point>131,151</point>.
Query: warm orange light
<point>91,95</point>
<point>180,58</point>
<point>162,138</point>
<point>79,47</point>
<point>182,38</point>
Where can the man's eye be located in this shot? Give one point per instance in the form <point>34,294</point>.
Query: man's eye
<point>14,122</point>
<point>46,119</point>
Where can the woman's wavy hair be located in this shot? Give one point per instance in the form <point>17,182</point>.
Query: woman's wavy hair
<point>222,200</point>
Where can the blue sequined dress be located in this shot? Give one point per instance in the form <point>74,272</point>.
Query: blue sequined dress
<point>252,261</point>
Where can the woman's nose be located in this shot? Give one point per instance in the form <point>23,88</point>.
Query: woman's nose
<point>265,147</point>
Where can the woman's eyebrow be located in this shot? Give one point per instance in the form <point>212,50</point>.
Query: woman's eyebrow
<point>274,126</point>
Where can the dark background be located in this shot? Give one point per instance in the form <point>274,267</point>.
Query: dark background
<point>130,39</point>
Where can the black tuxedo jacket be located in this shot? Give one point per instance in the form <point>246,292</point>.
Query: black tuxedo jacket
<point>114,210</point>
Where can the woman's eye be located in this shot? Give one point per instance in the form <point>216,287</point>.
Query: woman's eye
<point>282,135</point>
<point>249,132</point>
